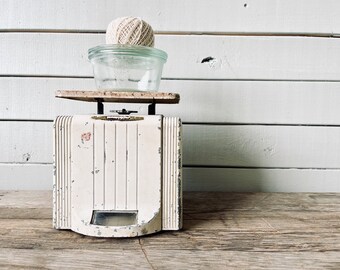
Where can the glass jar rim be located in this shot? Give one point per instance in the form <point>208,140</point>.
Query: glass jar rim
<point>125,49</point>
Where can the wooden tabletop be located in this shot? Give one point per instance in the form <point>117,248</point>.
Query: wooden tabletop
<point>221,231</point>
<point>119,96</point>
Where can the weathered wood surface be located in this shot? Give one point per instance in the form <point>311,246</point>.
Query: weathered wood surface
<point>221,231</point>
<point>122,97</point>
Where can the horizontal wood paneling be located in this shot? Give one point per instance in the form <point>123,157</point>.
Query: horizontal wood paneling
<point>249,146</point>
<point>261,180</point>
<point>26,176</point>
<point>26,142</point>
<point>279,78</point>
<point>261,102</point>
<point>262,146</point>
<point>39,177</point>
<point>34,98</point>
<point>228,16</point>
<point>274,58</point>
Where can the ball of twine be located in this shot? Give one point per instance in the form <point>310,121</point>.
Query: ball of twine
<point>130,30</point>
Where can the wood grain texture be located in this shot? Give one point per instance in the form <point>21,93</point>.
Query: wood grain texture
<point>119,97</point>
<point>265,16</point>
<point>221,231</point>
<point>259,102</point>
<point>274,58</point>
<point>203,145</point>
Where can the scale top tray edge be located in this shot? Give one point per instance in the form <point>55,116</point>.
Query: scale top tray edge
<point>119,96</point>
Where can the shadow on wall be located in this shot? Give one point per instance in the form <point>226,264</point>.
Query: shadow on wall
<point>236,170</point>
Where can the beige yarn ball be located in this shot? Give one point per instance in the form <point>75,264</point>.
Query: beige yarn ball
<point>130,30</point>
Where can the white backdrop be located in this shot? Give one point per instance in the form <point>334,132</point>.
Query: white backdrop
<point>264,115</point>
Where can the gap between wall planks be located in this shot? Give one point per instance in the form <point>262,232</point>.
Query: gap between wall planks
<point>228,16</point>
<point>223,102</point>
<point>231,146</point>
<point>274,58</point>
<point>39,177</point>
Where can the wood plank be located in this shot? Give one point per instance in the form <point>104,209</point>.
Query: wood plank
<point>26,176</point>
<point>217,202</point>
<point>196,234</point>
<point>261,146</point>
<point>182,259</point>
<point>201,101</point>
<point>263,16</point>
<point>203,145</point>
<point>34,98</point>
<point>274,58</point>
<point>221,230</point>
<point>39,177</point>
<point>119,96</point>
<point>261,180</point>
<point>26,142</point>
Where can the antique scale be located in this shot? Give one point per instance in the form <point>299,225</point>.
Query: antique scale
<point>119,174</point>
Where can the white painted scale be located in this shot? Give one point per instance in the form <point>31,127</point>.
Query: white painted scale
<point>117,175</point>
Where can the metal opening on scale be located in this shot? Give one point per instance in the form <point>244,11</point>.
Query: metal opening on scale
<point>113,218</point>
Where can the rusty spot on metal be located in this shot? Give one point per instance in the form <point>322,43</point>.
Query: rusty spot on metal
<point>86,137</point>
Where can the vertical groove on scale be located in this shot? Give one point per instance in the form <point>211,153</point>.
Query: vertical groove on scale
<point>175,159</point>
<point>126,164</point>
<point>62,203</point>
<point>66,173</point>
<point>56,176</point>
<point>109,165</point>
<point>93,160</point>
<point>54,173</point>
<point>137,160</point>
<point>115,184</point>
<point>60,171</point>
<point>61,192</point>
<point>69,174</point>
<point>104,163</point>
<point>171,173</point>
<point>131,166</point>
<point>62,186</point>
<point>165,170</point>
<point>57,172</point>
<point>164,187</point>
<point>67,169</point>
<point>172,193</point>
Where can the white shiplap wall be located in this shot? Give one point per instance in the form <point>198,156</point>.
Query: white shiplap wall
<point>263,116</point>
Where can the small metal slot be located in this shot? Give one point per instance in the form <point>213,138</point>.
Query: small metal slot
<point>114,218</point>
<point>118,117</point>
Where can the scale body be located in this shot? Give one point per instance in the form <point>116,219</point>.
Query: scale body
<point>117,175</point>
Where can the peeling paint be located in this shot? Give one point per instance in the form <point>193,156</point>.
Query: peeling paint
<point>85,137</point>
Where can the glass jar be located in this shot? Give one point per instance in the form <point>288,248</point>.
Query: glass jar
<point>127,67</point>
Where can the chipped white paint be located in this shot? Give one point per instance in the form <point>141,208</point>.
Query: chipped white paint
<point>109,176</point>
